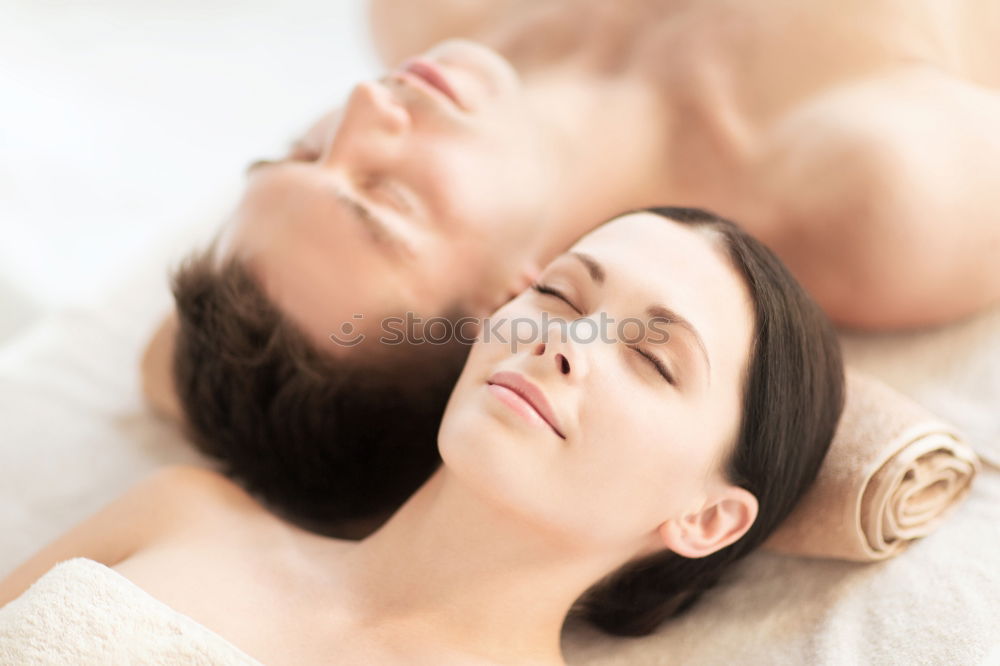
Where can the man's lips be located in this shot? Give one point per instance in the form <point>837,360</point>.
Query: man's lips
<point>530,394</point>
<point>433,76</point>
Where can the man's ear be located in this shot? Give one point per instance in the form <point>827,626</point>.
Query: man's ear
<point>718,524</point>
<point>505,290</point>
<point>157,370</point>
<point>523,278</point>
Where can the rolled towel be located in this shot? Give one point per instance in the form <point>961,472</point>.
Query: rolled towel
<point>892,474</point>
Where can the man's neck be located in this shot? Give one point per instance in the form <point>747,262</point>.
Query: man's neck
<point>609,139</point>
<point>653,120</point>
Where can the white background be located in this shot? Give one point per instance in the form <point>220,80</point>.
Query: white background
<point>121,120</point>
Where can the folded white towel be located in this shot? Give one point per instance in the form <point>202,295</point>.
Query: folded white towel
<point>83,613</point>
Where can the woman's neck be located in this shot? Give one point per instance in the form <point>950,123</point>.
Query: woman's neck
<point>453,569</point>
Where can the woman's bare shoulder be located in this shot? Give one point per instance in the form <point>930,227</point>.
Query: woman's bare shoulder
<point>173,502</point>
<point>185,480</point>
<point>190,496</point>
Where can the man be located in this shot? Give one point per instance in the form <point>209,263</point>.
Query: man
<point>859,141</point>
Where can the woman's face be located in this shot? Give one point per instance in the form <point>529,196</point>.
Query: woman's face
<point>625,445</point>
<point>407,198</point>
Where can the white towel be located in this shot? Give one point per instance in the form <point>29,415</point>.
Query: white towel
<point>83,613</point>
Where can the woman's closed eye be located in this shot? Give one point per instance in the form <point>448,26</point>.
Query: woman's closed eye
<point>650,358</point>
<point>659,365</point>
<point>552,291</point>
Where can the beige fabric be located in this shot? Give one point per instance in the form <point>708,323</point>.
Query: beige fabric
<point>893,473</point>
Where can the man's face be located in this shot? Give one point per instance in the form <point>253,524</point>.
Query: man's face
<point>426,192</point>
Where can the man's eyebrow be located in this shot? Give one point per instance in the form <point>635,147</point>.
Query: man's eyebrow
<point>662,312</point>
<point>376,227</point>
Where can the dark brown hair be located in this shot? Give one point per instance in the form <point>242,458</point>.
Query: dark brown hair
<point>793,395</point>
<point>321,437</point>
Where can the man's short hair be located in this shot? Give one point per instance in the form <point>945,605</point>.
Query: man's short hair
<point>319,436</point>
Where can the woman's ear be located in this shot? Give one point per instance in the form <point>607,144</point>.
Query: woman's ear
<point>717,525</point>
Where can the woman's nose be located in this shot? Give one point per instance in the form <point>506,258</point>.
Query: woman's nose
<point>560,358</point>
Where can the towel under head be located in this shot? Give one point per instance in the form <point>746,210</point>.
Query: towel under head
<point>894,472</point>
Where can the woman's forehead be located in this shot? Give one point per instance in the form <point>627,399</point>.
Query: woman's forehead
<point>665,250</point>
<point>651,258</point>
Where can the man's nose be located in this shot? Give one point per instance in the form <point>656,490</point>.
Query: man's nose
<point>372,115</point>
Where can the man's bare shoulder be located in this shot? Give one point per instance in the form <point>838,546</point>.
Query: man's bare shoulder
<point>915,132</point>
<point>878,196</point>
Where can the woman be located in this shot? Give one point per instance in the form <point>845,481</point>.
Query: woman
<point>614,478</point>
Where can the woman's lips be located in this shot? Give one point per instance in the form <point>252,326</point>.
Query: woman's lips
<point>523,396</point>
<point>433,76</point>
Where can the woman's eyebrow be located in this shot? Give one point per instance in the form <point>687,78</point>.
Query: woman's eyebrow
<point>594,268</point>
<point>661,312</point>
